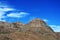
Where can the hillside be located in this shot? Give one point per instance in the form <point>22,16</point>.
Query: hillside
<point>36,29</point>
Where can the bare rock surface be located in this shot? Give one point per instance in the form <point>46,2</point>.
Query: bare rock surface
<point>36,29</point>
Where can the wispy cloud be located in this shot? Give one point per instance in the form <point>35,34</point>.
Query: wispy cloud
<point>5,8</point>
<point>56,28</point>
<point>45,20</point>
<point>17,14</point>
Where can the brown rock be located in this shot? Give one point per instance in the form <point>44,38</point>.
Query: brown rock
<point>36,29</point>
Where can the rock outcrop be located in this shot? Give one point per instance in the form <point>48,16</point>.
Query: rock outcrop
<point>36,29</point>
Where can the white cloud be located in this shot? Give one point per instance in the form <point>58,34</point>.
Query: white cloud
<point>56,28</point>
<point>18,14</point>
<point>45,20</point>
<point>5,8</point>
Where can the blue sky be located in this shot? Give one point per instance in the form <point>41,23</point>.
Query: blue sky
<point>25,10</point>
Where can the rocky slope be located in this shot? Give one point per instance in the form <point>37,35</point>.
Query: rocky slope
<point>36,29</point>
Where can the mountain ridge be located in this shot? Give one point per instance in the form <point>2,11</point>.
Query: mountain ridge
<point>36,29</point>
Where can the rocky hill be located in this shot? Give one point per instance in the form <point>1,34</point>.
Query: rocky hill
<point>36,29</point>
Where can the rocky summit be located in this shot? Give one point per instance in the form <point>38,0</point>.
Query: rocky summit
<point>36,29</point>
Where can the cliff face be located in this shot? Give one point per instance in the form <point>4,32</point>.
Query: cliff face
<point>36,29</point>
<point>38,25</point>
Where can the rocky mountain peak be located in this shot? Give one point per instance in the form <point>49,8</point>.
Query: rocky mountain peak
<point>36,23</point>
<point>36,19</point>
